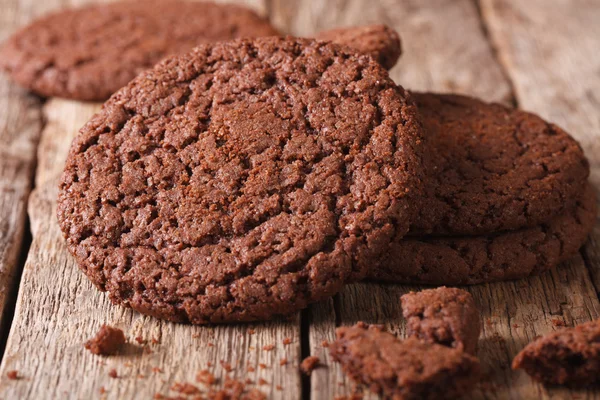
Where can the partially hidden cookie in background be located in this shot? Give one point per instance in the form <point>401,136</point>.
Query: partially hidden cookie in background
<point>403,369</point>
<point>242,181</point>
<point>379,41</point>
<point>569,356</point>
<point>88,53</point>
<point>488,258</point>
<point>491,168</point>
<point>447,316</point>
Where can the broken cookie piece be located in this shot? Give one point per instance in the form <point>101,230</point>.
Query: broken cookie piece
<point>107,341</point>
<point>447,316</point>
<point>569,356</point>
<point>378,41</point>
<point>409,369</point>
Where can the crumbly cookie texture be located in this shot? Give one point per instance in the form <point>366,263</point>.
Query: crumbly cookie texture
<point>489,258</point>
<point>107,341</point>
<point>409,369</point>
<point>569,356</point>
<point>447,316</point>
<point>89,53</point>
<point>379,41</point>
<point>242,181</point>
<point>491,168</point>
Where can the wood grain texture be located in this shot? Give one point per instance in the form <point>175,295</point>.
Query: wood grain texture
<point>58,309</point>
<point>442,40</point>
<point>445,49</point>
<point>550,49</point>
<point>20,127</point>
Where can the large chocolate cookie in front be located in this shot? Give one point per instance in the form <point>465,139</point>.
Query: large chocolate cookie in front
<point>488,258</point>
<point>491,168</point>
<point>241,181</point>
<point>89,53</point>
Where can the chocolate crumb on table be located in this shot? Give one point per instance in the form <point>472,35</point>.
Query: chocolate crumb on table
<point>13,375</point>
<point>569,356</point>
<point>409,369</point>
<point>309,364</point>
<point>287,341</point>
<point>205,377</point>
<point>185,388</point>
<point>268,347</point>
<point>113,373</point>
<point>447,316</point>
<point>283,361</point>
<point>107,341</point>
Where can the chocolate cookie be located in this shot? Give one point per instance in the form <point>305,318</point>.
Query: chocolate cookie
<point>89,53</point>
<point>492,168</point>
<point>242,180</point>
<point>447,316</point>
<point>409,369</point>
<point>379,41</point>
<point>489,258</point>
<point>569,356</point>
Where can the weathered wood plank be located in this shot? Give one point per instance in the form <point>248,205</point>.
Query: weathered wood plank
<point>445,49</point>
<point>556,72</point>
<point>20,127</point>
<point>58,310</point>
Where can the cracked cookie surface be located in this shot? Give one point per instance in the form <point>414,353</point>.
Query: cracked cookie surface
<point>491,168</point>
<point>447,316</point>
<point>403,369</point>
<point>91,52</point>
<point>379,41</point>
<point>569,356</point>
<point>489,258</point>
<point>242,181</point>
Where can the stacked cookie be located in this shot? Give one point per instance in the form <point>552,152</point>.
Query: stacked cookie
<point>506,196</point>
<point>245,178</point>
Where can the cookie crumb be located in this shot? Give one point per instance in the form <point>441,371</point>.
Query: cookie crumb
<point>107,341</point>
<point>205,377</point>
<point>262,366</point>
<point>251,369</point>
<point>251,331</point>
<point>185,388</point>
<point>261,381</point>
<point>324,343</point>
<point>157,370</point>
<point>283,361</point>
<point>309,364</point>
<point>226,366</point>
<point>268,347</point>
<point>13,375</point>
<point>140,340</point>
<point>210,344</point>
<point>278,387</point>
<point>287,341</point>
<point>113,373</point>
<point>558,322</point>
<point>249,381</point>
<point>102,390</point>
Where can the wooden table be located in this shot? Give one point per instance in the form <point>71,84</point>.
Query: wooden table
<point>541,55</point>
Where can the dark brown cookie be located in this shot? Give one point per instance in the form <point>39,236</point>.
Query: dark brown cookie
<point>242,180</point>
<point>409,369</point>
<point>89,53</point>
<point>379,41</point>
<point>568,356</point>
<point>489,258</point>
<point>447,316</point>
<point>492,168</point>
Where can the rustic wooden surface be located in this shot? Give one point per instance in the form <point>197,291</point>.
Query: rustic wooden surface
<point>535,54</point>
